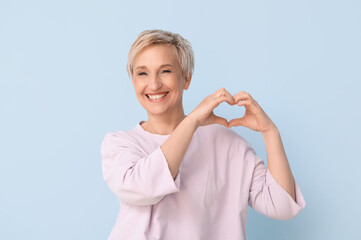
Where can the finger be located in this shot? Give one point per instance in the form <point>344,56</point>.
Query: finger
<point>219,120</point>
<point>220,92</point>
<point>229,98</point>
<point>224,95</point>
<point>244,103</point>
<point>237,122</point>
<point>241,96</point>
<point>237,96</point>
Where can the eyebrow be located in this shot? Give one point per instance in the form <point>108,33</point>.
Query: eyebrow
<point>164,65</point>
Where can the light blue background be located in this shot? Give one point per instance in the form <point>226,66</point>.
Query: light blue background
<point>64,85</point>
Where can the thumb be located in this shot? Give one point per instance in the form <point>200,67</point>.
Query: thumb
<point>219,120</point>
<point>237,122</point>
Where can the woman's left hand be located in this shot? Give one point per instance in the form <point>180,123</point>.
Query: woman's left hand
<point>254,118</point>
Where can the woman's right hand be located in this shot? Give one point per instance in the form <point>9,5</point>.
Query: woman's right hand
<point>203,113</point>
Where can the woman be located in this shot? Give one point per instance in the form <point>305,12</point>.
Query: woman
<point>190,176</point>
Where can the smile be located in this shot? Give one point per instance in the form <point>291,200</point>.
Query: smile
<point>157,97</point>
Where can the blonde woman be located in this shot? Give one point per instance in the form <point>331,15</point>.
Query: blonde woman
<point>191,176</point>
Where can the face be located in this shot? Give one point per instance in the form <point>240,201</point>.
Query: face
<point>158,80</point>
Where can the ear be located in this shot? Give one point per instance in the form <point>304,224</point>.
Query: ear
<point>187,81</point>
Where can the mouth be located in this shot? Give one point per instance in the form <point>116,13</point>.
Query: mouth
<point>157,97</point>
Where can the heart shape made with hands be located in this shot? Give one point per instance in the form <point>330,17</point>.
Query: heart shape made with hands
<point>229,112</point>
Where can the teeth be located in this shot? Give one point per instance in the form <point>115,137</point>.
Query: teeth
<point>155,97</point>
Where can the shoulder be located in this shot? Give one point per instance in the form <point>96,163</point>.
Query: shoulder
<point>117,136</point>
<point>121,135</point>
<point>116,140</point>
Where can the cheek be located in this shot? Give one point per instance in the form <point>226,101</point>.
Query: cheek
<point>138,86</point>
<point>176,82</point>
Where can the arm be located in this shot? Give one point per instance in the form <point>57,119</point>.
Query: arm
<point>176,145</point>
<point>266,195</point>
<point>133,176</point>
<point>277,160</point>
<point>256,119</point>
<point>141,179</point>
<point>273,191</point>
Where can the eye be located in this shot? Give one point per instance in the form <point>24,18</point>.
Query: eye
<point>142,73</point>
<point>166,71</point>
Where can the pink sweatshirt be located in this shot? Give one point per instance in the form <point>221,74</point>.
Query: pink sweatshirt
<point>220,175</point>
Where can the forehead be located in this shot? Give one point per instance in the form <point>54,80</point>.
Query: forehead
<point>157,55</point>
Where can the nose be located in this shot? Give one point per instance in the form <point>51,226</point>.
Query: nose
<point>155,82</point>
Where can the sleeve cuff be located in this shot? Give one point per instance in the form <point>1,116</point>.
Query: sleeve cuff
<point>299,204</point>
<point>174,185</point>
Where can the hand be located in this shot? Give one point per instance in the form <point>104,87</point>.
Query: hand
<point>203,113</point>
<point>254,118</point>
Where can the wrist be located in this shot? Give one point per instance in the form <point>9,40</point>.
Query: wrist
<point>271,130</point>
<point>192,120</point>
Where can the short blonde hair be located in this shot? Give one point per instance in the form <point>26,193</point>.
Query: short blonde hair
<point>153,37</point>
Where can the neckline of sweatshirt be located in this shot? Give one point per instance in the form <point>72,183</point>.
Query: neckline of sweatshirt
<point>144,132</point>
<point>138,128</point>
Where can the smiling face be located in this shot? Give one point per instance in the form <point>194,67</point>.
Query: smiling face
<point>158,80</point>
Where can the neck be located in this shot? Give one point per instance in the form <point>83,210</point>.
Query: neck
<point>163,125</point>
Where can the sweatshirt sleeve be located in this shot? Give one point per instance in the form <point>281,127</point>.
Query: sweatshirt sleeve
<point>267,197</point>
<point>134,177</point>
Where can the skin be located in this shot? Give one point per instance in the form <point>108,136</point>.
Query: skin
<point>157,69</point>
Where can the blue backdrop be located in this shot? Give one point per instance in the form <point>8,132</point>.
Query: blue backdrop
<point>64,85</point>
